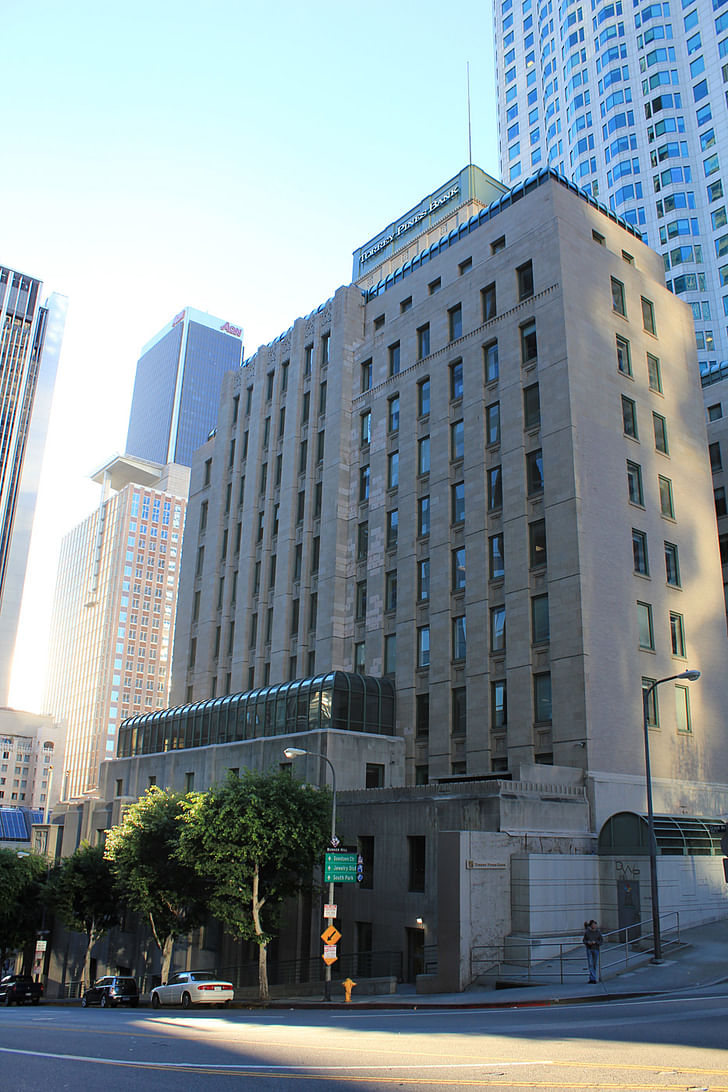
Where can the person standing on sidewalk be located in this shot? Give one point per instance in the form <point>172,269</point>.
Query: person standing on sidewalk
<point>592,941</point>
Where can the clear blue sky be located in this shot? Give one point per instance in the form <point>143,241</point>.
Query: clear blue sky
<point>227,157</point>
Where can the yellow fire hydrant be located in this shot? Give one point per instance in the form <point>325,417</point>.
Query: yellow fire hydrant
<point>348,985</point>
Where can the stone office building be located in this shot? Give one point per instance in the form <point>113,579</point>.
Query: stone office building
<point>480,472</point>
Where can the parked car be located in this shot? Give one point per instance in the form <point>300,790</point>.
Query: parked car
<point>188,988</point>
<point>20,988</point>
<point>114,989</point>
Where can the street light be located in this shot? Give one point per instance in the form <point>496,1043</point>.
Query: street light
<point>691,676</point>
<point>297,752</point>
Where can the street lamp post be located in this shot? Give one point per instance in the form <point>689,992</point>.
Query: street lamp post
<point>296,752</point>
<point>691,676</point>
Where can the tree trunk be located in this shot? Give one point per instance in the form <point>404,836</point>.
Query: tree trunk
<point>263,992</point>
<point>86,971</point>
<point>167,957</point>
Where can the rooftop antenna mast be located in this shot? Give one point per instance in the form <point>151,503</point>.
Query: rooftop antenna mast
<point>470,144</point>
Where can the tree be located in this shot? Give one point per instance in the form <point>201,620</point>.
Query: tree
<point>22,878</point>
<point>155,881</point>
<point>256,839</point>
<point>82,892</point>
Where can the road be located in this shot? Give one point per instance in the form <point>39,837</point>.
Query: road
<point>675,1042</point>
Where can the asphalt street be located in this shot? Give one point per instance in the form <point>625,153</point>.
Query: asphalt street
<point>675,1041</point>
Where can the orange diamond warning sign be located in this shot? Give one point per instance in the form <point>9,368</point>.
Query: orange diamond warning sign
<point>331,935</point>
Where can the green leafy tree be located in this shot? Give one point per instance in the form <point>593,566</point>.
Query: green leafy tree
<point>156,881</point>
<point>83,893</point>
<point>255,839</point>
<point>22,881</point>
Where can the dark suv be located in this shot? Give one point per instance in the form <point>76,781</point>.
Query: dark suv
<point>114,989</point>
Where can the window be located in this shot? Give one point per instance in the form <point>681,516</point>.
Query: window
<point>390,654</point>
<point>531,407</point>
<point>634,484</point>
<point>639,552</point>
<point>537,543</point>
<point>629,417</point>
<point>682,709</point>
<point>458,569</point>
<point>498,244</point>
<point>624,363</point>
<point>416,854</point>
<point>325,348</point>
<point>465,266</point>
<point>365,430</point>
<point>423,516</point>
<point>534,472</point>
<point>423,397</point>
<point>423,580</point>
<point>721,504</point>
<point>618,303</point>
<point>393,414</point>
<point>366,376</point>
<point>363,484</point>
<point>651,700</point>
<point>715,412</point>
<point>540,630</point>
<point>542,698</point>
<point>393,470</point>
<point>405,305</point>
<point>422,715</point>
<point>528,342</point>
<point>360,656</point>
<point>323,388</point>
<point>456,380</point>
<point>423,646</point>
<point>423,341</point>
<point>434,286</point>
<point>394,358</point>
<point>459,711</point>
<point>495,489</point>
<point>457,496</point>
<point>492,424</point>
<point>648,316</point>
<point>677,634</point>
<point>307,359</point>
<point>362,542</point>
<point>524,273</point>
<point>423,455</point>
<point>716,460</point>
<point>498,705</point>
<point>644,622</point>
<point>497,629</point>
<point>361,601</point>
<point>459,638</point>
<point>667,508</point>
<point>457,440</point>
<point>487,296</point>
<point>455,322</point>
<point>496,566</point>
<point>653,373</point>
<point>392,528</point>
<point>672,566</point>
<point>390,590</point>
<point>490,361</point>
<point>659,425</point>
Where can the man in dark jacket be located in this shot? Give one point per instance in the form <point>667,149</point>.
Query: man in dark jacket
<point>592,940</point>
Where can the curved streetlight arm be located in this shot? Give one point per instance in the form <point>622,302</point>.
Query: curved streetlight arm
<point>690,675</point>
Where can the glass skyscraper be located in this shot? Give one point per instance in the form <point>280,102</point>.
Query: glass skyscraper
<point>30,344</point>
<point>177,386</point>
<point>629,102</point>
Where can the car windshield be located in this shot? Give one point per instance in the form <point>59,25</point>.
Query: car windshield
<point>126,985</point>
<point>203,976</point>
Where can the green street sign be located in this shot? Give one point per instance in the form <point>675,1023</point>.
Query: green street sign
<point>340,867</point>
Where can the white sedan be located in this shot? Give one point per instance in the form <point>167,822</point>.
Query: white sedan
<point>188,988</point>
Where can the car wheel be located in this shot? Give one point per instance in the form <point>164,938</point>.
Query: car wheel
<point>104,1002</point>
<point>84,1002</point>
<point>155,1001</point>
<point>186,1001</point>
<point>8,999</point>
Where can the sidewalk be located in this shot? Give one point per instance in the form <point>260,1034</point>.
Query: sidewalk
<point>702,960</point>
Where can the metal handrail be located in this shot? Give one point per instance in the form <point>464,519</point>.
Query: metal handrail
<point>568,950</point>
